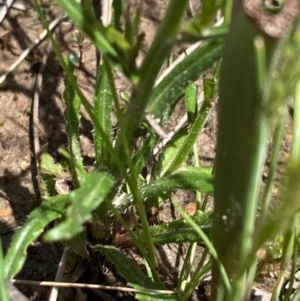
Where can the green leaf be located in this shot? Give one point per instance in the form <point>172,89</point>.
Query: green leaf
<point>48,166</point>
<point>179,231</point>
<point>133,275</point>
<point>174,84</point>
<point>72,116</point>
<point>84,200</point>
<point>185,178</point>
<point>47,186</point>
<point>190,138</point>
<point>191,102</point>
<point>103,107</point>
<point>30,231</point>
<point>169,153</point>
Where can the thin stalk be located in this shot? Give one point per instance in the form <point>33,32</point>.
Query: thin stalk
<point>190,255</point>
<point>279,131</point>
<point>132,179</point>
<point>204,203</point>
<point>210,93</point>
<point>113,90</point>
<point>289,292</point>
<point>200,272</point>
<point>227,11</point>
<point>136,224</point>
<point>209,245</point>
<point>186,268</point>
<point>149,70</point>
<point>287,252</point>
<point>250,276</point>
<point>197,164</point>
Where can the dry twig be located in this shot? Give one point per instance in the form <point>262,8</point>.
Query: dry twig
<point>94,286</point>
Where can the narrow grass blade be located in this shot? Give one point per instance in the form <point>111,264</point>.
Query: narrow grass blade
<point>191,102</point>
<point>133,275</point>
<point>174,84</point>
<point>185,273</point>
<point>3,280</point>
<point>287,251</point>
<point>185,178</point>
<point>201,271</point>
<point>72,116</point>
<point>208,244</point>
<point>189,139</point>
<point>142,155</point>
<point>289,290</point>
<point>170,152</point>
<point>30,231</point>
<point>84,200</point>
<point>277,140</point>
<point>102,107</point>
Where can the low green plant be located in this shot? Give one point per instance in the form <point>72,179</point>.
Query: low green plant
<point>258,73</point>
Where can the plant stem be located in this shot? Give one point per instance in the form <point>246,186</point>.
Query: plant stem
<point>241,148</point>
